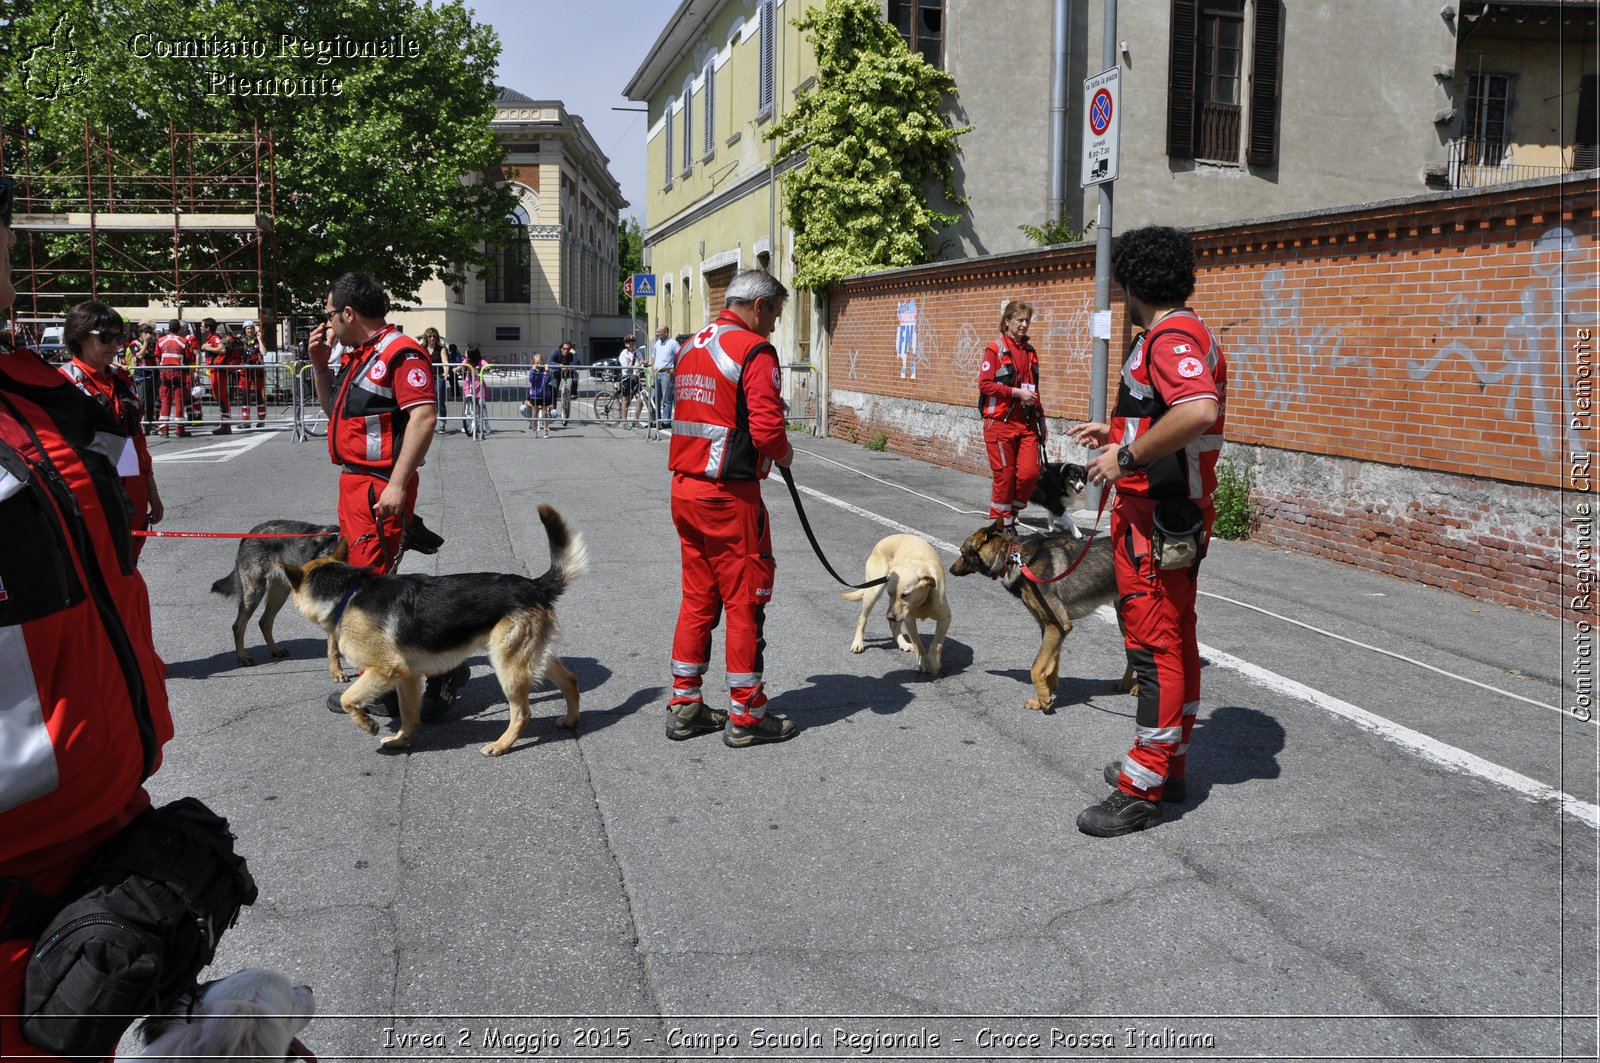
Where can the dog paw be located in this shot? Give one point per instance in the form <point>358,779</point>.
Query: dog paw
<point>342,677</point>
<point>495,749</point>
<point>1035,705</point>
<point>906,646</point>
<point>280,652</point>
<point>365,722</point>
<point>245,662</point>
<point>858,646</point>
<point>394,742</point>
<point>1126,686</point>
<point>566,724</point>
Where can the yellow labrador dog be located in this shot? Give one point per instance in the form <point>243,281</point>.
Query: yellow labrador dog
<point>915,585</point>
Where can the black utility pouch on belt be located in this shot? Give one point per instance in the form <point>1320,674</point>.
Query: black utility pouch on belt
<point>137,929</point>
<point>1176,538</point>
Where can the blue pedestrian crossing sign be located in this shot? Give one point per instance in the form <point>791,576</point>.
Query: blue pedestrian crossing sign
<point>644,285</point>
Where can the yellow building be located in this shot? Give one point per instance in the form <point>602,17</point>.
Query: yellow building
<point>553,274</point>
<point>715,81</point>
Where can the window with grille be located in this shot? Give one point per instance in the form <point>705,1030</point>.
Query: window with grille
<point>708,120</point>
<point>666,146</point>
<point>509,278</point>
<point>921,26</point>
<point>1586,143</point>
<point>769,59</point>
<point>1488,119</point>
<point>1215,105</point>
<point>508,333</point>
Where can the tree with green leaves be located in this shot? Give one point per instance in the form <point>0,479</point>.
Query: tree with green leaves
<point>874,136</point>
<point>630,260</point>
<point>372,151</point>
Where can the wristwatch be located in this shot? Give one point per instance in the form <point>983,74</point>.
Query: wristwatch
<point>1125,460</point>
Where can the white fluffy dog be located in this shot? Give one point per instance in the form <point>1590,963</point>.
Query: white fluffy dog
<point>254,1014</point>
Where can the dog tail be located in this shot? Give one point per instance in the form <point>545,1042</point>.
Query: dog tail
<point>568,555</point>
<point>227,586</point>
<point>853,596</point>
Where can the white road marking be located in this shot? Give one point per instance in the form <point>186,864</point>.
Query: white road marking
<point>216,453</point>
<point>1415,742</point>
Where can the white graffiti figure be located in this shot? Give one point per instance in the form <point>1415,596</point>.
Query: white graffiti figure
<point>1533,343</point>
<point>1280,364</point>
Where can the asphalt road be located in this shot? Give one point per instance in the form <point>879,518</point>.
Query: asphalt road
<point>1375,862</point>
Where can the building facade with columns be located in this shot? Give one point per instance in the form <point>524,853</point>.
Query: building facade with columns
<point>553,271</point>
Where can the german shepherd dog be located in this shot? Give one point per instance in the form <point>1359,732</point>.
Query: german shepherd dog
<point>399,629</point>
<point>256,576</point>
<point>1060,490</point>
<point>988,551</point>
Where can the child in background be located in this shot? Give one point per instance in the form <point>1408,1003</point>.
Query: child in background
<point>474,394</point>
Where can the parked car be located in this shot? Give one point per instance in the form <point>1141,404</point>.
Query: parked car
<point>606,370</point>
<point>51,345</point>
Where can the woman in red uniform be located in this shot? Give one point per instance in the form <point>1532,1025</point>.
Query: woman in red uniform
<point>1013,416</point>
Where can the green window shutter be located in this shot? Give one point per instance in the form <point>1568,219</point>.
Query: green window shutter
<point>1180,79</point>
<point>1266,83</point>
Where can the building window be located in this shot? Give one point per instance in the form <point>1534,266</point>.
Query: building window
<point>666,133</point>
<point>688,126</point>
<point>666,306</point>
<point>687,314</point>
<point>1586,143</point>
<point>769,58</point>
<point>802,319</point>
<point>1488,123</point>
<point>921,25</point>
<point>1213,101</point>
<point>709,95</point>
<point>508,333</point>
<point>509,278</point>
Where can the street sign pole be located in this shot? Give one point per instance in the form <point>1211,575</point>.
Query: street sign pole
<point>1102,262</point>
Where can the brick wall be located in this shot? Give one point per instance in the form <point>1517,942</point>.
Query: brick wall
<point>1411,381</point>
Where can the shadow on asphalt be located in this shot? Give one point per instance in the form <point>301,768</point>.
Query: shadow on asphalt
<point>206,667</point>
<point>1071,691</point>
<point>886,653</point>
<point>828,699</point>
<point>1231,744</point>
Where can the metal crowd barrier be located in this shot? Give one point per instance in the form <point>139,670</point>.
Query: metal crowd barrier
<point>588,396</point>
<point>276,393</point>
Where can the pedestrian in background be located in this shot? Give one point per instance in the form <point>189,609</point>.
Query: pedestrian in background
<point>439,355</point>
<point>1161,452</point>
<point>732,432</point>
<point>665,360</point>
<point>543,381</point>
<point>628,360</point>
<point>146,375</point>
<point>215,350</point>
<point>474,394</point>
<point>252,356</point>
<point>173,352</point>
<point>1013,415</point>
<point>563,359</point>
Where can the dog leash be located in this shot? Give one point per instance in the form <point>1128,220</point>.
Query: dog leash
<point>389,567</point>
<point>1016,552</point>
<point>151,534</point>
<point>794,493</point>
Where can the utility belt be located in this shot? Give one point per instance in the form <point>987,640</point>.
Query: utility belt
<point>365,470</point>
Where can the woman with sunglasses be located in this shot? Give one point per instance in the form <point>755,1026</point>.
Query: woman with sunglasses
<point>94,333</point>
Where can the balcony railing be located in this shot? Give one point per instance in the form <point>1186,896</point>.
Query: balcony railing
<point>1219,132</point>
<point>1480,164</point>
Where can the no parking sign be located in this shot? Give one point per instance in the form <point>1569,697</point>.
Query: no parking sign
<point>1102,110</point>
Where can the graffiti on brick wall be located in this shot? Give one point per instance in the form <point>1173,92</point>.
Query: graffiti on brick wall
<point>855,358</point>
<point>1285,354</point>
<point>1531,348</point>
<point>1064,342</point>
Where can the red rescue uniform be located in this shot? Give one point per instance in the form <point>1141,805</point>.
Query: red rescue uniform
<point>220,376</point>
<point>173,352</point>
<point>1177,360</point>
<point>378,382</point>
<point>727,430</point>
<point>84,689</point>
<point>114,391</point>
<point>1011,431</point>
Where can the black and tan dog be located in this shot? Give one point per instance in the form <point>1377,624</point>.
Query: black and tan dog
<point>399,629</point>
<point>258,578</point>
<point>989,552</point>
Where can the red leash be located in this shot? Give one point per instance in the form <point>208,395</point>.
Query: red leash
<point>1016,553</point>
<point>226,535</point>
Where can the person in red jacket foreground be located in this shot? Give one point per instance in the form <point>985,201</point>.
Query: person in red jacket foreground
<point>727,432</point>
<point>1013,415</point>
<point>82,690</point>
<point>1160,449</point>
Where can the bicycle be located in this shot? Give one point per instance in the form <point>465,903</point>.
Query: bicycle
<point>608,407</point>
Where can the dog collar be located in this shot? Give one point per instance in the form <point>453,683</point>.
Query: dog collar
<point>349,592</point>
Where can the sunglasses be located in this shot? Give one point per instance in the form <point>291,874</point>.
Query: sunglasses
<point>7,185</point>
<point>108,335</point>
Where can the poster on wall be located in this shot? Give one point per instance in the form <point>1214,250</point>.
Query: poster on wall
<point>905,339</point>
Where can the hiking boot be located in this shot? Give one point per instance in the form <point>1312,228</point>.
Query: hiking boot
<point>1176,790</point>
<point>222,430</point>
<point>693,718</point>
<point>386,707</point>
<point>767,729</point>
<point>441,692</point>
<point>1120,813</point>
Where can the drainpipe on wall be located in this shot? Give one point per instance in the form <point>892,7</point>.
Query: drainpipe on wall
<point>1061,30</point>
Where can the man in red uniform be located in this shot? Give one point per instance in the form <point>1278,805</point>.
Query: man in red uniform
<point>728,430</point>
<point>381,416</point>
<point>1013,417</point>
<point>173,353</point>
<point>1164,437</point>
<point>82,688</point>
<point>215,352</point>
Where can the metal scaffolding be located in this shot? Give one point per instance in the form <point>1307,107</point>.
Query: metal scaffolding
<point>152,237</point>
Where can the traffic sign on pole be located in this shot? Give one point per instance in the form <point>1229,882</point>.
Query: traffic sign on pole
<point>627,287</point>
<point>1102,111</point>
<point>644,285</point>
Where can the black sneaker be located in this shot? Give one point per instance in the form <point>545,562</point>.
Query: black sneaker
<point>386,707</point>
<point>1120,813</point>
<point>1176,790</point>
<point>440,694</point>
<point>768,729</point>
<point>693,718</point>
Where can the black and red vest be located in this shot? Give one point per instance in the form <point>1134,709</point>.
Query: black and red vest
<point>366,423</point>
<point>710,416</point>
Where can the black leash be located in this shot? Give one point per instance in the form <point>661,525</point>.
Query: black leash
<point>806,524</point>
